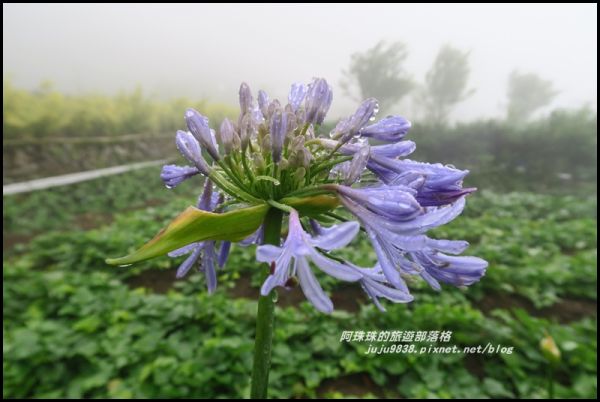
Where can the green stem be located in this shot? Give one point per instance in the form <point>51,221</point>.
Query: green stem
<point>265,316</point>
<point>330,164</point>
<point>308,191</point>
<point>550,381</point>
<point>249,173</point>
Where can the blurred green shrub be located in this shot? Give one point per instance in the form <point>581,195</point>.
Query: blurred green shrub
<point>557,154</point>
<point>45,113</point>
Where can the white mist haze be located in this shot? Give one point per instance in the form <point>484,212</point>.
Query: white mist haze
<point>205,51</point>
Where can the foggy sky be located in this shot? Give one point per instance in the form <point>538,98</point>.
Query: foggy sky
<point>203,51</point>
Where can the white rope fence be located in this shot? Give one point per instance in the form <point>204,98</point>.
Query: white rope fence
<point>63,180</point>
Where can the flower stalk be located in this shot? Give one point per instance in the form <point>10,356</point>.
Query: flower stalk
<point>265,316</point>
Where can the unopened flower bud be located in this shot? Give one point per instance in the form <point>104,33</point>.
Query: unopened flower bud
<point>190,149</point>
<point>172,175</point>
<point>245,98</point>
<point>228,136</point>
<point>296,96</point>
<point>318,101</point>
<point>278,130</point>
<point>273,107</point>
<point>350,126</point>
<point>198,125</point>
<point>391,128</point>
<point>263,102</point>
<point>247,131</point>
<point>357,165</point>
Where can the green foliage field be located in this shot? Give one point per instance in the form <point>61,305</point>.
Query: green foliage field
<point>75,327</point>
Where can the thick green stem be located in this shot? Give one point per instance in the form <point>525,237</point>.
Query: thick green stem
<point>265,316</point>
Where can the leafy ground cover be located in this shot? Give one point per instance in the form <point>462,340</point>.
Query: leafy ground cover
<point>74,327</point>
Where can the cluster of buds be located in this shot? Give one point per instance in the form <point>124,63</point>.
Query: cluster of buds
<point>276,155</point>
<point>266,154</point>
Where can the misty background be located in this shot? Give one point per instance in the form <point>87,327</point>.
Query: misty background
<point>204,51</point>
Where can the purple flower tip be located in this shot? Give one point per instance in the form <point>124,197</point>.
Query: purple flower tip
<point>318,101</point>
<point>198,126</point>
<point>391,128</point>
<point>173,175</point>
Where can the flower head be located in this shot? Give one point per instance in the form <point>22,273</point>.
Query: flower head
<point>274,156</point>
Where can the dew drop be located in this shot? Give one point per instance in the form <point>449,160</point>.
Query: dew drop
<point>168,186</point>
<point>125,265</point>
<point>375,111</point>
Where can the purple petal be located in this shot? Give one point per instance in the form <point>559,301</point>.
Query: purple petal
<point>433,198</point>
<point>268,253</point>
<point>448,246</point>
<point>184,250</point>
<point>396,150</point>
<point>391,202</point>
<point>458,271</point>
<point>205,200</point>
<point>381,290</point>
<point>432,218</point>
<point>224,253</point>
<point>311,288</point>
<point>173,175</point>
<point>385,261</point>
<point>334,268</point>
<point>254,238</point>
<point>208,265</point>
<point>280,276</point>
<point>391,128</point>
<point>187,264</point>
<point>336,236</point>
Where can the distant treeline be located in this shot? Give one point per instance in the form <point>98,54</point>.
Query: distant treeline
<point>556,154</point>
<point>45,113</point>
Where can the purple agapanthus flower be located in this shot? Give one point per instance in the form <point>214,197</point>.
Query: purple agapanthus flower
<point>274,153</point>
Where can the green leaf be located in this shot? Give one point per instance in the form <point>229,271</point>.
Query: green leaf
<point>194,225</point>
<point>312,206</point>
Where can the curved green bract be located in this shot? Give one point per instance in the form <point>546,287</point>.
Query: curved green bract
<point>312,206</point>
<point>194,225</point>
